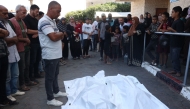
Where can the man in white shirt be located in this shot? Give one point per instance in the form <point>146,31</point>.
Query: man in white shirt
<point>50,41</point>
<point>87,33</point>
<point>95,33</point>
<point>13,71</point>
<point>13,58</point>
<point>122,24</point>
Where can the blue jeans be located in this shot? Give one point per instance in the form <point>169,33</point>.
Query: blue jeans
<point>175,57</point>
<point>40,67</point>
<point>12,78</point>
<point>51,77</point>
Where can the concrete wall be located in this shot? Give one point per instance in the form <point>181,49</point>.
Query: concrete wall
<point>137,7</point>
<point>182,3</point>
<point>151,5</point>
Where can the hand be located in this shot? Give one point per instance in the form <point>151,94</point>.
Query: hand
<point>170,29</point>
<point>27,41</point>
<point>35,36</point>
<point>15,40</point>
<point>5,32</point>
<point>163,31</point>
<point>134,32</point>
<point>148,31</point>
<point>100,40</point>
<point>65,33</point>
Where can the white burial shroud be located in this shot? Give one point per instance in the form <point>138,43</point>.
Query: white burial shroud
<point>111,92</point>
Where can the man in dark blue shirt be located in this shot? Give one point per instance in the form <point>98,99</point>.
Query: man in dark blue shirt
<point>176,42</point>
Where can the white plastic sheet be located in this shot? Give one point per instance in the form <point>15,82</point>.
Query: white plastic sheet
<point>111,92</point>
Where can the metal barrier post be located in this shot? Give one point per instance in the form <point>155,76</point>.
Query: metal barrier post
<point>187,67</point>
<point>144,46</point>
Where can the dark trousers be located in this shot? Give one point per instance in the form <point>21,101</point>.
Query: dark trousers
<point>65,52</point>
<point>102,48</point>
<point>35,57</point>
<point>3,77</point>
<point>86,46</point>
<point>24,67</point>
<point>51,68</point>
<point>152,45</point>
<point>94,41</point>
<point>175,56</point>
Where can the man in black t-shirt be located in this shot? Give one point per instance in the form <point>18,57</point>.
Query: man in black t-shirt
<point>176,42</point>
<point>35,49</point>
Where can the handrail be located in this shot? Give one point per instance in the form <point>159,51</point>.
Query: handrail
<point>172,33</point>
<point>188,57</point>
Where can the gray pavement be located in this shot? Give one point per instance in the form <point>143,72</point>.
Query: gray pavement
<point>36,97</point>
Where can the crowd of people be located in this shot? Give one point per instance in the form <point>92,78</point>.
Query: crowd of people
<point>34,43</point>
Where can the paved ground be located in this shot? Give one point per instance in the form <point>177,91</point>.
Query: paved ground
<point>36,98</point>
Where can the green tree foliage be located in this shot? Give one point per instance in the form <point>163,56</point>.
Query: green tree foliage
<point>90,12</point>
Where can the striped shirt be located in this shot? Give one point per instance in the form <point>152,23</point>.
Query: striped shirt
<point>50,49</point>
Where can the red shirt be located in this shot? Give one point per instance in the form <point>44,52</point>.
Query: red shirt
<point>78,29</point>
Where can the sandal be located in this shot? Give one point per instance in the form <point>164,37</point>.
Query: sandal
<point>31,83</point>
<point>24,88</point>
<point>172,72</point>
<point>178,75</point>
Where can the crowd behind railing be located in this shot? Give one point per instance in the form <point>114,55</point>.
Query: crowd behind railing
<point>30,41</point>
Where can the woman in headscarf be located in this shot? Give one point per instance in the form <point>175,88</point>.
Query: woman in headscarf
<point>77,43</point>
<point>62,26</point>
<point>75,46</point>
<point>136,35</point>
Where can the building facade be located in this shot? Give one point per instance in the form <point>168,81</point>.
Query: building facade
<point>154,7</point>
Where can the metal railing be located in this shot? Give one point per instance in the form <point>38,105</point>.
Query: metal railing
<point>188,57</point>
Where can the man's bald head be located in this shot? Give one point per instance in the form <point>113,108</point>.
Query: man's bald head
<point>3,13</point>
<point>53,4</point>
<point>54,10</point>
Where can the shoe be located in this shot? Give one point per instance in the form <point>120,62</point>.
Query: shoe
<point>60,94</point>
<point>54,103</point>
<point>61,64</point>
<point>154,64</point>
<point>101,59</point>
<point>11,98</point>
<point>18,93</point>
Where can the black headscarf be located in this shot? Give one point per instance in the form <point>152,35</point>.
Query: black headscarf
<point>62,27</point>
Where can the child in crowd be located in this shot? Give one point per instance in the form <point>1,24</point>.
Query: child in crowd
<point>154,40</point>
<point>115,44</point>
<point>125,40</point>
<point>107,44</point>
<point>163,50</point>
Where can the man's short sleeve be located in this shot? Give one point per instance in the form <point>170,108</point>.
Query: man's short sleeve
<point>26,23</point>
<point>46,27</point>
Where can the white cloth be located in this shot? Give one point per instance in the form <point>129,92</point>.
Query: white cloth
<point>112,92</point>
<point>50,49</point>
<point>86,28</point>
<point>95,27</point>
<point>125,24</point>
<point>13,56</point>
<point>141,20</point>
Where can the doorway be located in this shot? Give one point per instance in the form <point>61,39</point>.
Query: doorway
<point>161,10</point>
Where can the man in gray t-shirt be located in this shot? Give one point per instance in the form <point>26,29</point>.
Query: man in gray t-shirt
<point>101,34</point>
